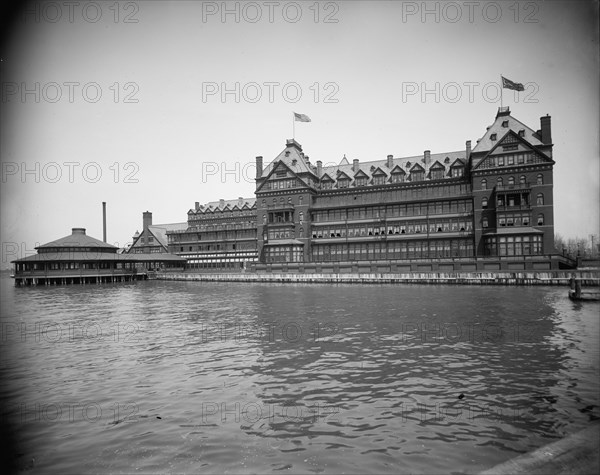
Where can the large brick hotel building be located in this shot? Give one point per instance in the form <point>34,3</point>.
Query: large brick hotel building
<point>487,207</point>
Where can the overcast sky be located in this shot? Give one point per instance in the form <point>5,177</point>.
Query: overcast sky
<point>126,105</point>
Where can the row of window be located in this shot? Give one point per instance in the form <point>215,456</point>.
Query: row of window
<point>513,246</point>
<point>512,159</point>
<point>516,219</point>
<point>282,184</point>
<point>225,246</point>
<point>213,236</point>
<point>219,226</point>
<point>76,265</point>
<point>514,200</point>
<point>443,248</point>
<point>524,221</point>
<point>511,181</point>
<point>408,227</point>
<point>218,214</point>
<point>394,211</point>
<point>284,254</point>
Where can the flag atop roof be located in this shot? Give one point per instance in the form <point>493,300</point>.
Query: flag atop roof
<point>508,84</point>
<point>301,117</point>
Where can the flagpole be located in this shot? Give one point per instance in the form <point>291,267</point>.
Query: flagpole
<point>293,126</point>
<point>501,87</point>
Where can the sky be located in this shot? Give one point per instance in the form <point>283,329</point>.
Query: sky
<point>155,105</point>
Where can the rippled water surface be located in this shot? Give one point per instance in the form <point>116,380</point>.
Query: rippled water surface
<point>157,377</point>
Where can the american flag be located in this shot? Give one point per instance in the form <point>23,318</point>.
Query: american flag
<point>301,117</point>
<point>508,84</point>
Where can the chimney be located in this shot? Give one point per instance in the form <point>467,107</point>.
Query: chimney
<point>546,133</point>
<point>319,168</point>
<point>240,201</point>
<point>221,203</point>
<point>355,165</point>
<point>197,205</point>
<point>468,147</point>
<point>427,156</point>
<point>78,231</point>
<point>390,161</point>
<point>259,166</point>
<point>103,221</point>
<point>146,220</point>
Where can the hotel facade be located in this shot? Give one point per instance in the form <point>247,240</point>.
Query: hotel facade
<point>487,207</point>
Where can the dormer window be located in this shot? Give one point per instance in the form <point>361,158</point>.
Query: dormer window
<point>379,180</point>
<point>294,162</point>
<point>360,181</point>
<point>505,124</point>
<point>398,177</point>
<point>493,137</point>
<point>437,174</point>
<point>287,153</point>
<point>522,133</point>
<point>343,183</point>
<point>417,175</point>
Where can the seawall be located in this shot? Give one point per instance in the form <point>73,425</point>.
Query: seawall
<point>588,278</point>
<point>575,454</point>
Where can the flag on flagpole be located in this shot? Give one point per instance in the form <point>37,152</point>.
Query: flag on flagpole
<point>301,117</point>
<point>508,84</point>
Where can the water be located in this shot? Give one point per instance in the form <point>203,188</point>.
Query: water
<point>156,377</point>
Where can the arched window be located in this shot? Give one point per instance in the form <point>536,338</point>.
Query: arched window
<point>540,220</point>
<point>540,179</point>
<point>484,184</point>
<point>300,200</point>
<point>484,203</point>
<point>499,181</point>
<point>484,222</point>
<point>274,201</point>
<point>301,232</point>
<point>522,180</point>
<point>301,217</point>
<point>511,180</point>
<point>264,219</point>
<point>281,200</point>
<point>290,200</point>
<point>539,199</point>
<point>264,203</point>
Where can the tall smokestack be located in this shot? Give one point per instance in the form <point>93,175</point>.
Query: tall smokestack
<point>104,221</point>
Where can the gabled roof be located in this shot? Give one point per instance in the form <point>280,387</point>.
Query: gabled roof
<point>225,205</point>
<point>517,139</point>
<point>485,143</point>
<point>159,231</point>
<point>78,238</point>
<point>293,157</point>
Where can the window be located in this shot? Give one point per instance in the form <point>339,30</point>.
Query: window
<point>343,183</point>
<point>484,222</point>
<point>379,180</point>
<point>505,123</point>
<point>360,181</point>
<point>417,175</point>
<point>522,133</point>
<point>499,182</point>
<point>484,184</point>
<point>511,160</point>
<point>511,180</point>
<point>484,203</point>
<point>539,199</point>
<point>301,217</point>
<point>500,161</point>
<point>437,174</point>
<point>493,137</point>
<point>540,179</point>
<point>457,172</point>
<point>398,177</point>
<point>540,219</point>
<point>522,180</point>
<point>326,185</point>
